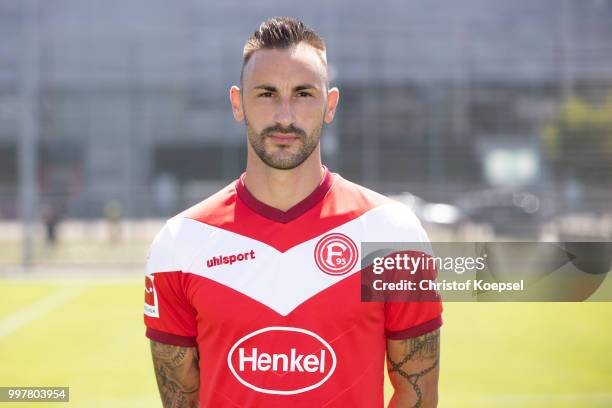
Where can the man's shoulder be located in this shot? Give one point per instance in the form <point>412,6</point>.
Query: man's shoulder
<point>362,196</point>
<point>183,234</point>
<point>385,219</point>
<point>346,195</point>
<point>352,188</point>
<point>213,209</point>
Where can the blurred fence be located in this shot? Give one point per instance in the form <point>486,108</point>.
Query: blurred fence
<point>119,109</point>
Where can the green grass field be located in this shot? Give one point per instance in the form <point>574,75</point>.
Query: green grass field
<point>90,336</point>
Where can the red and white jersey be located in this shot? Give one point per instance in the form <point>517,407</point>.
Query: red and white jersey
<point>272,299</point>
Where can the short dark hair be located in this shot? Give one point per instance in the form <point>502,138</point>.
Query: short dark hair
<point>281,33</point>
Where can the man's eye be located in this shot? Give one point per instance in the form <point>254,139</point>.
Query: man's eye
<point>304,94</point>
<point>266,94</point>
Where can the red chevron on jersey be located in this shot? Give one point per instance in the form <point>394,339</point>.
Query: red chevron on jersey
<point>272,299</point>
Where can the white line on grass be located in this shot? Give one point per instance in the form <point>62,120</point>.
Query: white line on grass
<point>35,311</point>
<point>64,280</point>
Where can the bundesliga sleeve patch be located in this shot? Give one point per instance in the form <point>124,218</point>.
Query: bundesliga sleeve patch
<point>150,300</point>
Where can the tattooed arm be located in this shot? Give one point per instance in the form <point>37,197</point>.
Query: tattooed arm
<point>414,365</point>
<point>178,374</point>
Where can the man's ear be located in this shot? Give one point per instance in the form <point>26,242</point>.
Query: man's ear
<point>236,101</point>
<point>333,96</point>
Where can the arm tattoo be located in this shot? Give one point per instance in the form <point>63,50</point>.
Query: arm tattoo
<point>423,348</point>
<point>178,374</point>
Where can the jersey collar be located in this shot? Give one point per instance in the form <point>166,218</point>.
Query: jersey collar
<point>292,213</point>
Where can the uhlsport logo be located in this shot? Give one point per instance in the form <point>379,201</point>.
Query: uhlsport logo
<point>230,259</point>
<point>282,360</point>
<point>150,303</point>
<point>336,254</point>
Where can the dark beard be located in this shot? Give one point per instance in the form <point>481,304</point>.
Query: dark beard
<point>309,144</point>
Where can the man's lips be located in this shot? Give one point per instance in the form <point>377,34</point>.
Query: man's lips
<point>283,137</point>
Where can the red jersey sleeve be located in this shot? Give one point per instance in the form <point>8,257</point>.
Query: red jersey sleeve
<point>168,314</point>
<point>414,318</point>
<point>411,319</point>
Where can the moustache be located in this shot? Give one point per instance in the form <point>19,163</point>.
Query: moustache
<point>290,130</point>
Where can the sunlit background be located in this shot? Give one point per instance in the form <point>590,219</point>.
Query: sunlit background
<point>492,119</point>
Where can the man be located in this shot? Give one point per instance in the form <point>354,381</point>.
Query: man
<point>253,295</point>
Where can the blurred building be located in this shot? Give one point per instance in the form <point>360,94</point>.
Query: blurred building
<point>437,97</point>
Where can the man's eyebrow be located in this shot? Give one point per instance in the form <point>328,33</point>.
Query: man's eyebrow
<point>305,86</point>
<point>271,88</point>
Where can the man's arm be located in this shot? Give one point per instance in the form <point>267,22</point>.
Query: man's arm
<point>178,374</point>
<point>414,366</point>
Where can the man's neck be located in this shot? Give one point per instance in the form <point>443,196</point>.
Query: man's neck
<point>282,189</point>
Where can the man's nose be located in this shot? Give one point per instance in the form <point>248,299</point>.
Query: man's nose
<point>284,113</point>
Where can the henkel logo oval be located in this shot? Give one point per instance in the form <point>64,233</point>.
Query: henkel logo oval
<point>336,254</point>
<point>282,360</point>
